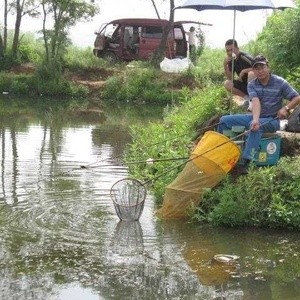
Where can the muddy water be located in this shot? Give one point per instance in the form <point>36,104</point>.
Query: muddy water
<point>60,237</point>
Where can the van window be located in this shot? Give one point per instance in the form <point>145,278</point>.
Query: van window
<point>152,32</point>
<point>178,34</point>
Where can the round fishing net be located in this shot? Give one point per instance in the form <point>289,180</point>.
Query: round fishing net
<point>128,196</point>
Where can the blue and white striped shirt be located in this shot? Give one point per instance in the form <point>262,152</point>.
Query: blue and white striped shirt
<point>271,96</point>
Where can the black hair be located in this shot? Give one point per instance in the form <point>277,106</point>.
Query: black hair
<point>231,42</point>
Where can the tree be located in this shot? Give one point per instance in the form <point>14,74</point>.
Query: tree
<point>159,53</point>
<point>3,40</point>
<point>20,8</point>
<point>154,5</point>
<point>63,14</point>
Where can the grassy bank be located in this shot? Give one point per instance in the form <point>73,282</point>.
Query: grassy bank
<point>266,197</point>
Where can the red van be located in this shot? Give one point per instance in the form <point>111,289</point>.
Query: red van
<point>137,39</point>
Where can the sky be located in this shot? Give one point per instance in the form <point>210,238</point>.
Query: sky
<point>248,24</point>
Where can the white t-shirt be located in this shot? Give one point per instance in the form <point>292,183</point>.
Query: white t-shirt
<point>191,37</point>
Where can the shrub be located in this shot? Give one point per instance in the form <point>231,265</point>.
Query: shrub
<point>139,85</point>
<point>266,197</point>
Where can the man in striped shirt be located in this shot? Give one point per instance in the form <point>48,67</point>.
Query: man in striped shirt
<point>267,93</point>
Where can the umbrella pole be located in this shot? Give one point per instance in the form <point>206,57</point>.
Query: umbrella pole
<point>232,65</point>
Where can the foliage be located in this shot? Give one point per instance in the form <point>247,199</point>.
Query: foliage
<point>280,41</point>
<point>209,66</point>
<point>64,14</point>
<point>266,197</point>
<point>139,85</point>
<point>77,59</point>
<point>30,50</point>
<point>36,86</point>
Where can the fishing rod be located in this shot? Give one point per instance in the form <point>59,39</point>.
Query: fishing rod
<point>129,194</point>
<point>147,161</point>
<point>205,152</point>
<point>154,144</point>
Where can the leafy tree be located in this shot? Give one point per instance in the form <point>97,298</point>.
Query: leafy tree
<point>20,8</point>
<point>280,40</point>
<point>63,14</point>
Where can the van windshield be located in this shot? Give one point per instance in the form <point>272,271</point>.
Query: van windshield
<point>109,29</point>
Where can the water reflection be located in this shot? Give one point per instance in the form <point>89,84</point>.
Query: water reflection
<point>60,237</point>
<point>128,238</point>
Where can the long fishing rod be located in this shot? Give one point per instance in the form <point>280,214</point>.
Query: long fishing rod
<point>154,144</point>
<point>129,194</point>
<point>147,161</point>
<point>205,152</point>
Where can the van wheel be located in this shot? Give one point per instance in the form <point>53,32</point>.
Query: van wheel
<point>110,57</point>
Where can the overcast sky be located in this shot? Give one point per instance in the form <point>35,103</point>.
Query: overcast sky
<point>248,24</point>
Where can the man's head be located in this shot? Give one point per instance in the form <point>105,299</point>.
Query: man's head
<point>260,68</point>
<point>259,60</point>
<point>231,46</point>
<point>231,42</point>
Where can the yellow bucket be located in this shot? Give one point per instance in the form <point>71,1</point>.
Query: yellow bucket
<point>217,148</point>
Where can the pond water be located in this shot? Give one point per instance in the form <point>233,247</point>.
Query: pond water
<point>60,237</point>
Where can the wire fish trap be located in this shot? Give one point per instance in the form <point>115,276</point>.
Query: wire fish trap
<point>128,196</point>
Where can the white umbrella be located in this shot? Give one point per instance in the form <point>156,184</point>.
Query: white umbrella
<point>240,5</point>
<point>236,5</point>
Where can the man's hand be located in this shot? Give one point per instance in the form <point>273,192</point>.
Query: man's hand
<point>255,125</point>
<point>283,113</point>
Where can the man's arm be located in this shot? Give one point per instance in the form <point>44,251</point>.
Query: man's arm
<point>255,114</point>
<point>244,72</point>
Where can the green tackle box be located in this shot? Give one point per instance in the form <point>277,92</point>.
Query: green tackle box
<point>269,150</point>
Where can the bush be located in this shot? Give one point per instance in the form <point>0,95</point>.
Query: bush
<point>280,41</point>
<point>139,85</point>
<point>266,197</point>
<point>33,85</point>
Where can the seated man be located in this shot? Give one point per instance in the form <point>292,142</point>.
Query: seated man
<point>242,66</point>
<point>267,92</point>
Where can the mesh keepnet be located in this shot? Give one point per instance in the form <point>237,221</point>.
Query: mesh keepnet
<point>128,196</point>
<point>214,156</point>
